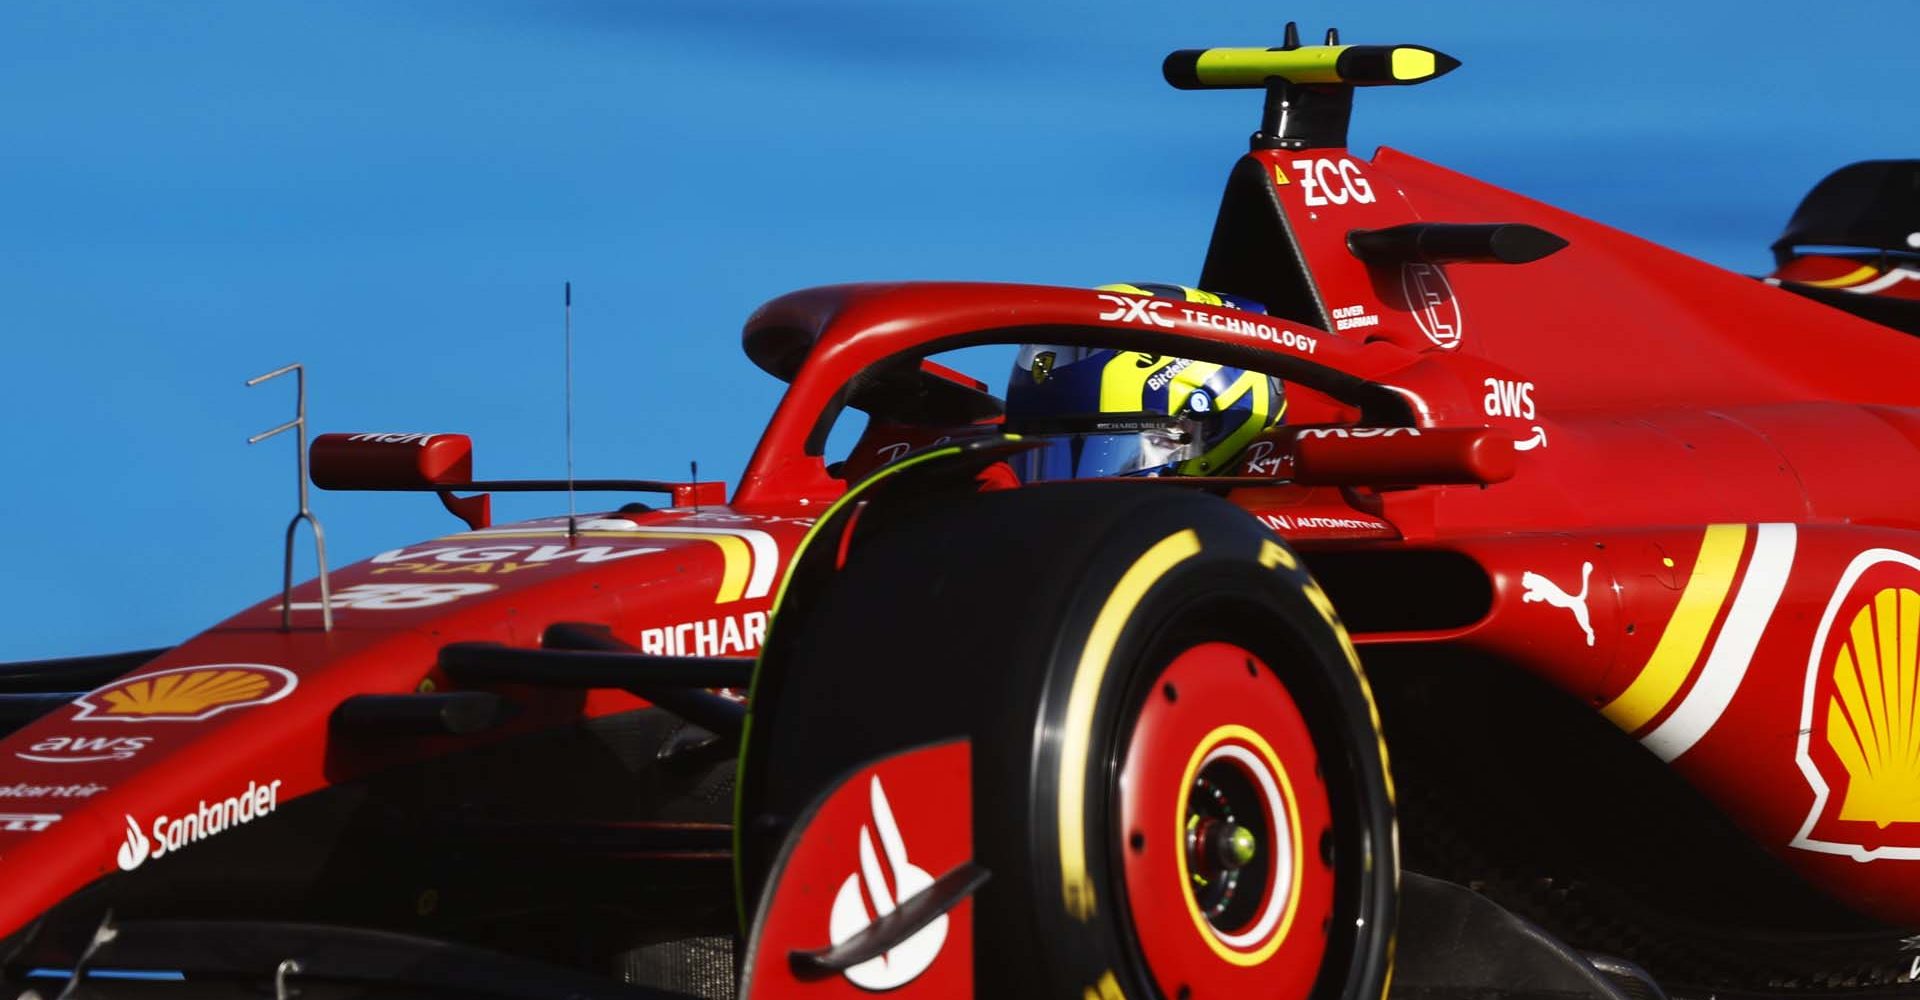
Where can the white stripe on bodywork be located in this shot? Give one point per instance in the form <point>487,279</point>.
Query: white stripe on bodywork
<point>1760,590</point>
<point>766,552</point>
<point>1885,281</point>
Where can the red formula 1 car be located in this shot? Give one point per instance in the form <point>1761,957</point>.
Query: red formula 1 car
<point>1563,638</point>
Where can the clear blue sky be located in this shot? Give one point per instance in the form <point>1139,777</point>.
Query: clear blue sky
<point>394,191</point>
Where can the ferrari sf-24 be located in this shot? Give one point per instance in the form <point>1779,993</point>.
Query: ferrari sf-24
<point>1446,596</point>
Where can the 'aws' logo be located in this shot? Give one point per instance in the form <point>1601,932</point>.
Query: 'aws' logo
<point>83,749</point>
<point>1508,398</point>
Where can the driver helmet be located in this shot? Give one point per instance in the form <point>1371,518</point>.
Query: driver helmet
<point>1100,412</point>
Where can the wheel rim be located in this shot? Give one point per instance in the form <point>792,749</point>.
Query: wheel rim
<point>1225,828</point>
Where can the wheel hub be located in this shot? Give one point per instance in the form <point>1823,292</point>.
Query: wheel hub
<point>1221,803</point>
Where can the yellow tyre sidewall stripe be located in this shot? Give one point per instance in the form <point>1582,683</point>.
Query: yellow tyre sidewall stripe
<point>1274,555</point>
<point>1084,696</point>
<point>1108,988</point>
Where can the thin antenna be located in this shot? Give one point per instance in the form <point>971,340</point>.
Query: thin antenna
<point>573,527</point>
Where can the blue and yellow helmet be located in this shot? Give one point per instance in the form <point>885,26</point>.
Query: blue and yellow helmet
<point>1102,412</point>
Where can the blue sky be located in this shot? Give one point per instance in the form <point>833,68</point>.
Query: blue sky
<point>393,192</point>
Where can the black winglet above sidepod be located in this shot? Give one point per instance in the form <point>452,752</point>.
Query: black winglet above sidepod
<point>1870,205</point>
<point>1451,242</point>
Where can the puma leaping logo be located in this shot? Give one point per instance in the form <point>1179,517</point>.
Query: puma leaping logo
<point>1539,588</point>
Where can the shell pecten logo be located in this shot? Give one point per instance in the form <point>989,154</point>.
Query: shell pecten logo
<point>186,694</point>
<point>1859,742</point>
<point>1871,722</point>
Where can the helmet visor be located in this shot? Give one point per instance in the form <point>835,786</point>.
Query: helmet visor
<point>1106,446</point>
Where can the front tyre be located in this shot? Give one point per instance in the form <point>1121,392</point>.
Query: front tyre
<point>1180,789</point>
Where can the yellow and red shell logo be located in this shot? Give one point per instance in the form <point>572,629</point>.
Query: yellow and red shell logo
<point>186,694</point>
<point>1859,743</point>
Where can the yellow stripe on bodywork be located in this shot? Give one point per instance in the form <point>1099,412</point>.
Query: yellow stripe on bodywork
<point>733,579</point>
<point>1679,646</point>
<point>1854,277</point>
<point>1084,695</point>
<point>736,557</point>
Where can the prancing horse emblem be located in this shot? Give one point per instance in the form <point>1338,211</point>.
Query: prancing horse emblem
<point>1042,367</point>
<point>1539,588</point>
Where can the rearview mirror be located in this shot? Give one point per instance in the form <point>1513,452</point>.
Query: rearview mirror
<point>1402,456</point>
<point>391,461</point>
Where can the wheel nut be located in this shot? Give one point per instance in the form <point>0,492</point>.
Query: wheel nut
<point>1234,846</point>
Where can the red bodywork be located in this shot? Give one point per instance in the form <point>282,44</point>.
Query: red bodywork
<point>1710,531</point>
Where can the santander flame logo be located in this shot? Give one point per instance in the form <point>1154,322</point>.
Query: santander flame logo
<point>134,852</point>
<point>850,916</point>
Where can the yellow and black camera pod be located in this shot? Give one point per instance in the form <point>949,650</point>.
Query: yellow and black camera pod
<point>1353,65</point>
<point>1309,88</point>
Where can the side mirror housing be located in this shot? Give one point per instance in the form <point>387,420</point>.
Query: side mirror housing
<point>391,461</point>
<point>1402,456</point>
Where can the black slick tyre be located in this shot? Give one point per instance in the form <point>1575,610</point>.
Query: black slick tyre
<point>1179,785</point>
